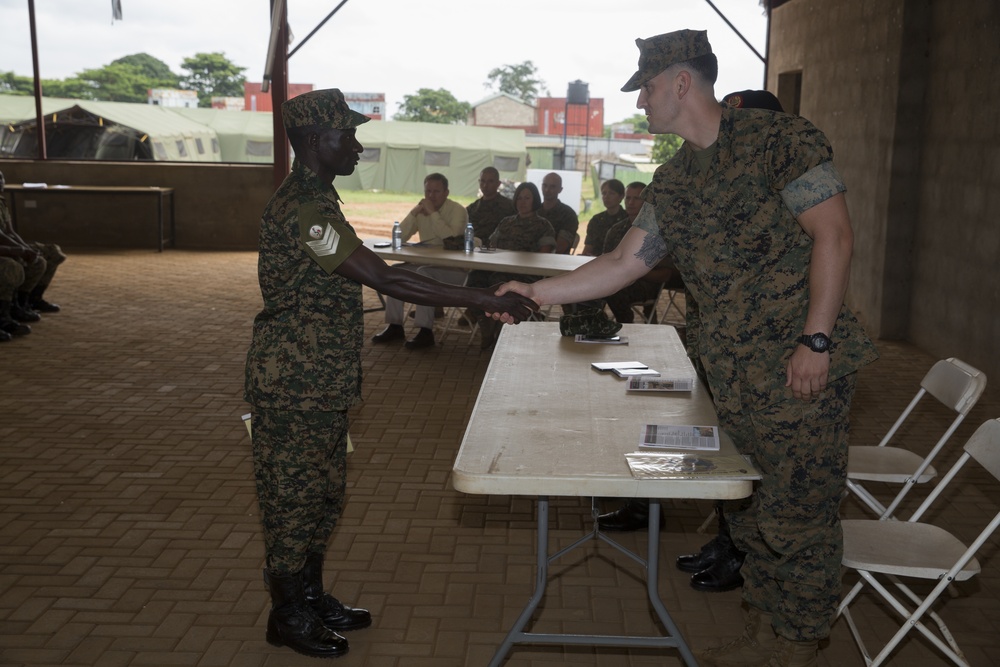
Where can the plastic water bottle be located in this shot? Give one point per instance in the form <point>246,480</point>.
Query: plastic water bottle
<point>397,236</point>
<point>470,237</point>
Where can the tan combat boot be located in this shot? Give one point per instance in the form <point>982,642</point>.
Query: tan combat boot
<point>790,653</point>
<point>753,648</point>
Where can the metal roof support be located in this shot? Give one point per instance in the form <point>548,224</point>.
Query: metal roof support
<point>40,123</point>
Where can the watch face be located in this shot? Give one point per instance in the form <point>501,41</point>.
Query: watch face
<point>817,342</point>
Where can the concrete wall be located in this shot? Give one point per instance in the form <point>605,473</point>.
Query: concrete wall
<point>216,206</point>
<point>502,111</point>
<point>907,92</point>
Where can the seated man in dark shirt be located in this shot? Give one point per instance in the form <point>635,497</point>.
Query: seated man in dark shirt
<point>647,287</point>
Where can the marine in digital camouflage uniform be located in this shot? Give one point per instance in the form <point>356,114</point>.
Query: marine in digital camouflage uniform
<point>753,213</point>
<point>598,228</point>
<point>563,218</point>
<point>735,215</point>
<point>486,212</point>
<point>303,368</point>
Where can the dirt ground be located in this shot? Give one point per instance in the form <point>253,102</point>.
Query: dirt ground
<point>375,220</point>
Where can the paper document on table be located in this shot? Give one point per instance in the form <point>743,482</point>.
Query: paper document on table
<point>641,383</point>
<point>666,436</point>
<point>679,465</point>
<point>607,340</point>
<point>612,365</point>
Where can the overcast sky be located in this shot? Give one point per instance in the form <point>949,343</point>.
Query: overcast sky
<point>391,46</point>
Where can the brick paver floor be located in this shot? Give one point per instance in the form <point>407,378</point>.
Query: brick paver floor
<point>129,530</point>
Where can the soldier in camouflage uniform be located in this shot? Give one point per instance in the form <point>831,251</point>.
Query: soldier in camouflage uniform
<point>647,287</point>
<point>303,369</point>
<point>526,231</point>
<point>11,277</point>
<point>612,193</point>
<point>486,212</point>
<point>562,217</point>
<point>753,212</point>
<point>38,271</point>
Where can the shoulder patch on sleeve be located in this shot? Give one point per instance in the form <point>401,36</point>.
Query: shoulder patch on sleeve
<point>327,243</point>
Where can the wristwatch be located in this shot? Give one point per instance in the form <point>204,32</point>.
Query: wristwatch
<point>817,342</point>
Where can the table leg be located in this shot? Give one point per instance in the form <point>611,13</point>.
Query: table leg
<point>541,578</point>
<point>673,638</point>
<point>653,580</point>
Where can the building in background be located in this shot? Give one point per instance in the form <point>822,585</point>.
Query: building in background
<point>506,111</point>
<point>229,103</point>
<point>254,100</point>
<point>370,104</point>
<point>172,97</point>
<point>578,120</point>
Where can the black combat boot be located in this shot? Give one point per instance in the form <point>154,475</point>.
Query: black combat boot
<point>335,615</point>
<point>294,624</point>
<point>38,304</point>
<point>20,311</point>
<point>716,568</point>
<point>8,324</point>
<point>633,515</point>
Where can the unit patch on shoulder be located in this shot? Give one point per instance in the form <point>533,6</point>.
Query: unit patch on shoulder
<point>327,242</point>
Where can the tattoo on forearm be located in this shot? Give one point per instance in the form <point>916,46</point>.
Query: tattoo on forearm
<point>652,251</point>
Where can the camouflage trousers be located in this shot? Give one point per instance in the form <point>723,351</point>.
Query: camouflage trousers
<point>11,278</point>
<point>32,273</point>
<point>53,256</point>
<point>300,468</point>
<point>790,526</point>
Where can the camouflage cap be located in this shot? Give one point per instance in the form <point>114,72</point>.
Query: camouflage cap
<point>658,53</point>
<point>753,99</point>
<point>320,107</point>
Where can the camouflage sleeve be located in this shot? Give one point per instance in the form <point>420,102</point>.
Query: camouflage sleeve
<point>793,146</point>
<point>813,187</point>
<point>646,220</point>
<point>327,239</point>
<point>547,235</point>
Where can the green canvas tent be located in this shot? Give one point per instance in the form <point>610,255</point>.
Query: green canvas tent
<point>115,131</point>
<point>398,155</point>
<point>15,108</point>
<point>244,136</point>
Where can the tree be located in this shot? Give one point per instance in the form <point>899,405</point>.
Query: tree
<point>12,84</point>
<point>154,68</point>
<point>127,79</point>
<point>433,106</point>
<point>639,123</point>
<point>117,82</point>
<point>665,146</point>
<point>517,80</point>
<point>212,74</point>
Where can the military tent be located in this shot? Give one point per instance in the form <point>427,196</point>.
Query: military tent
<point>244,136</point>
<point>398,155</point>
<point>15,108</point>
<point>115,131</point>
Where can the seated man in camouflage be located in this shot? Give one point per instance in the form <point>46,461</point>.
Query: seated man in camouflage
<point>11,277</point>
<point>29,297</point>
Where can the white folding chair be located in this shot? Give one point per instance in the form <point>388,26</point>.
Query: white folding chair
<point>674,314</point>
<point>893,549</point>
<point>952,382</point>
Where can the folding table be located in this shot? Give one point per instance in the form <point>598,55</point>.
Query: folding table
<point>547,424</point>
